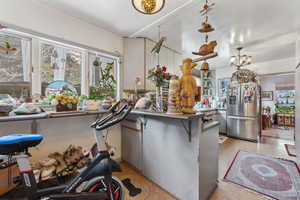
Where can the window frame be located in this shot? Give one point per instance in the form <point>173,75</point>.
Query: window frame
<point>65,48</point>
<point>35,60</point>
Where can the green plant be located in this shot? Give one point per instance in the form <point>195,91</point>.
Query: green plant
<point>107,82</point>
<point>96,94</point>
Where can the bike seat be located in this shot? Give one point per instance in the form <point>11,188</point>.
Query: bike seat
<point>16,143</point>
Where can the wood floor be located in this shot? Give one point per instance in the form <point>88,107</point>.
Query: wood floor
<point>225,191</point>
<point>286,134</point>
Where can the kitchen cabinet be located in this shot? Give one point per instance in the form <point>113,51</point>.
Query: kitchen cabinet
<point>222,118</point>
<point>132,143</point>
<point>138,60</point>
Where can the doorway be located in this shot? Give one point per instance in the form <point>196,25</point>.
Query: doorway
<point>278,106</point>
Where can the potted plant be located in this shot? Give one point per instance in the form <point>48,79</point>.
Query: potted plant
<point>66,101</point>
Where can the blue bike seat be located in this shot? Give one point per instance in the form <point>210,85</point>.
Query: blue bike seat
<point>16,143</point>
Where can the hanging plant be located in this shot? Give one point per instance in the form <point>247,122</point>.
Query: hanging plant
<point>97,62</point>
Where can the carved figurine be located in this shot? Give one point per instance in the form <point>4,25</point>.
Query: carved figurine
<point>188,87</point>
<point>206,49</point>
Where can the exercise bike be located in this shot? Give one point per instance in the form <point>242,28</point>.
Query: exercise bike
<point>95,180</point>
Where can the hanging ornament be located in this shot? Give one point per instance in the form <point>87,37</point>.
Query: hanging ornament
<point>97,62</point>
<point>7,47</point>
<point>205,66</point>
<point>207,49</point>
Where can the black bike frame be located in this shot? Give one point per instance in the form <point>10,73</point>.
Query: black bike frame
<point>34,194</point>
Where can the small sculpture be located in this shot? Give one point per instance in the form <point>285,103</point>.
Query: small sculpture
<point>206,49</point>
<point>188,87</point>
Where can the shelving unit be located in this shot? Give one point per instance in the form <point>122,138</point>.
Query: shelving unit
<point>208,84</point>
<point>285,103</point>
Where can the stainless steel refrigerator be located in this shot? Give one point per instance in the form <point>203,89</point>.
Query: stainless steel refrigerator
<point>244,111</point>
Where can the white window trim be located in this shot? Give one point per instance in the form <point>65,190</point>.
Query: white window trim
<point>35,77</point>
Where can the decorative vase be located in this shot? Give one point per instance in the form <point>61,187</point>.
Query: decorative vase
<point>174,96</point>
<point>165,94</point>
<point>159,103</point>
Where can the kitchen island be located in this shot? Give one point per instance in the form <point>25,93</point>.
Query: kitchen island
<point>177,152</point>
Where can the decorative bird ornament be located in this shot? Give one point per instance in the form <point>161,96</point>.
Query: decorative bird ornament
<point>158,45</point>
<point>7,47</point>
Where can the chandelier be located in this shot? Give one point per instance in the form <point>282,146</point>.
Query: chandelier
<point>148,7</point>
<point>240,60</point>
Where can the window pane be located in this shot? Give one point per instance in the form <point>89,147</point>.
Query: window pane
<point>15,66</point>
<point>60,64</point>
<point>11,69</point>
<point>73,68</point>
<point>96,70</point>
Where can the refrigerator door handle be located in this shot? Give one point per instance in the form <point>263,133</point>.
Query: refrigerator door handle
<point>242,118</point>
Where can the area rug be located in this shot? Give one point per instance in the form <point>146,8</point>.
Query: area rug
<point>290,149</point>
<point>222,139</point>
<point>275,178</point>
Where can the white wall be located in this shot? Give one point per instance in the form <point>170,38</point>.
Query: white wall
<point>297,130</point>
<point>36,16</point>
<point>267,84</point>
<point>271,67</point>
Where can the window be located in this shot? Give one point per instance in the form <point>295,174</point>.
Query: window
<point>103,61</point>
<point>60,63</point>
<point>15,65</point>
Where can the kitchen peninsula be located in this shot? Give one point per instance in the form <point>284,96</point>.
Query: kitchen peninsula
<point>177,152</point>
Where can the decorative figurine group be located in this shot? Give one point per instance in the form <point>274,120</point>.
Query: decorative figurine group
<point>207,49</point>
<point>182,92</point>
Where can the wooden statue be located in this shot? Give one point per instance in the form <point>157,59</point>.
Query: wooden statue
<point>206,49</point>
<point>188,87</point>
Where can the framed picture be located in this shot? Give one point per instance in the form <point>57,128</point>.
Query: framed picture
<point>267,95</point>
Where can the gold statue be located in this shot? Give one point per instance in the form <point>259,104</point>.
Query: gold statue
<point>188,87</point>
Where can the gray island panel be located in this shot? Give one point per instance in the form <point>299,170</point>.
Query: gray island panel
<point>186,169</point>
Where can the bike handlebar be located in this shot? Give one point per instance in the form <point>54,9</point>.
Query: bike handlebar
<point>116,120</point>
<point>111,114</point>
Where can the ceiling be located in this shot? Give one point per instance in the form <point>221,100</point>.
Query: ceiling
<point>266,28</point>
<point>280,80</point>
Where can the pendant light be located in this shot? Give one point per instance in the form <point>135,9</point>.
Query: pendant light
<point>148,7</point>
